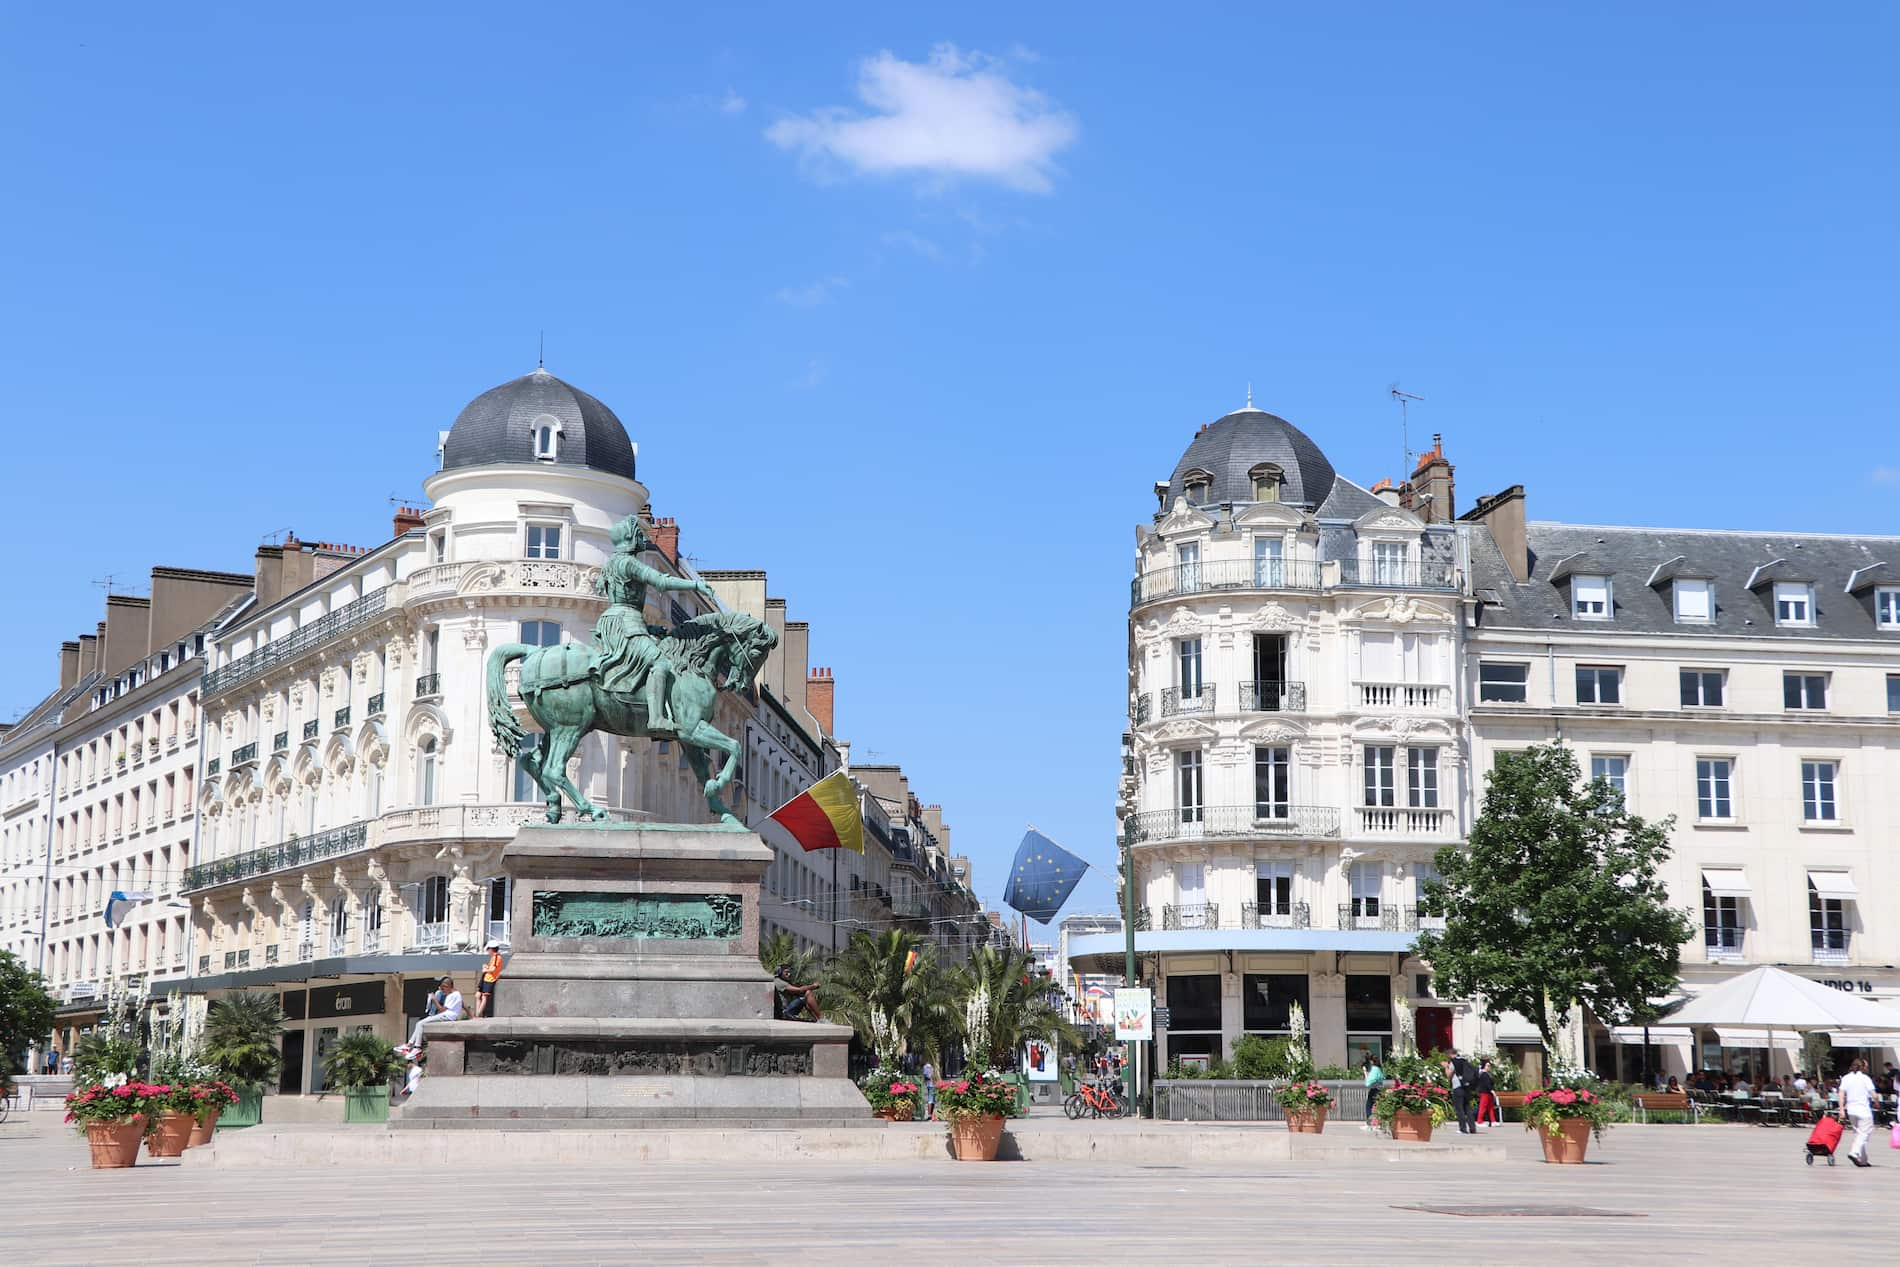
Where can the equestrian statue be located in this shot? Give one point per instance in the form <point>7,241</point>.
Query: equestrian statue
<point>633,679</point>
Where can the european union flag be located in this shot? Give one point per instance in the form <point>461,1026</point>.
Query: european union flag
<point>1042,877</point>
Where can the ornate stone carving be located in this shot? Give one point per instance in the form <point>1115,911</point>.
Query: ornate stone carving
<point>638,916</point>
<point>1272,616</point>
<point>635,1058</point>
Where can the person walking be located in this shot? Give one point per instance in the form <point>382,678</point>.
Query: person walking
<point>1375,1080</point>
<point>1486,1087</point>
<point>1857,1105</point>
<point>930,1091</point>
<point>1463,1085</point>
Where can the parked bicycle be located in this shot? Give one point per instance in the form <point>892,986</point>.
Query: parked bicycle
<point>1096,1100</point>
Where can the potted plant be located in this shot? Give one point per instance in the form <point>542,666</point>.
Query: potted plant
<point>1409,1110</point>
<point>241,1042</point>
<point>363,1064</point>
<point>209,1098</point>
<point>1305,1105</point>
<point>975,1107</point>
<point>892,1096</point>
<point>114,1115</point>
<point>1565,1119</point>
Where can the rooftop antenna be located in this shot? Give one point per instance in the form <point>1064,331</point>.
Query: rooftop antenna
<point>1250,393</point>
<point>1405,430</point>
<point>541,351</point>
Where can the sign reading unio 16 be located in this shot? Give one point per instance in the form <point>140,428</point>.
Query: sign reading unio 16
<point>1852,987</point>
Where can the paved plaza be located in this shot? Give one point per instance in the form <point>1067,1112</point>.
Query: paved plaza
<point>1681,1194</point>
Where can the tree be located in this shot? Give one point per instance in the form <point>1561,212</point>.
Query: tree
<point>26,1011</point>
<point>241,1036</point>
<point>877,989</point>
<point>1555,901</point>
<point>1006,1000</point>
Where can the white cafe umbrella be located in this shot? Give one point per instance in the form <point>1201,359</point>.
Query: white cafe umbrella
<point>1770,999</point>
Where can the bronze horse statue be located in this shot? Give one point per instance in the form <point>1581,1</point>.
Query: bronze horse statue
<point>561,685</point>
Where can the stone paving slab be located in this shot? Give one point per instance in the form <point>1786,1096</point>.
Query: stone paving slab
<point>1702,1194</point>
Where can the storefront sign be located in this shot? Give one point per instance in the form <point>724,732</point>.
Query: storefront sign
<point>1851,987</point>
<point>364,998</point>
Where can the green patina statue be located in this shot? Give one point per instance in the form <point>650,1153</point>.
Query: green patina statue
<point>633,679</point>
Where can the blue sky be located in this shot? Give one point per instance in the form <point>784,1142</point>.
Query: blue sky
<point>912,311</point>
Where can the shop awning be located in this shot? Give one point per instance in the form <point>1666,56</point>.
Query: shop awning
<point>1632,1035</point>
<point>1845,1038</point>
<point>1514,1027</point>
<point>1726,881</point>
<point>1838,885</point>
<point>1743,1038</point>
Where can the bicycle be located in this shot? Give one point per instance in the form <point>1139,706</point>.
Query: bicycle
<point>1095,1101</point>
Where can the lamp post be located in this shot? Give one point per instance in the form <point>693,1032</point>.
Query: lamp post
<point>1128,955</point>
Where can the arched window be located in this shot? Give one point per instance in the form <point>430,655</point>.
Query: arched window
<point>541,633</point>
<point>547,437</point>
<point>425,771</point>
<point>1266,480</point>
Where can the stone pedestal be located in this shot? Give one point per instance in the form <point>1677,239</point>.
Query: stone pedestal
<point>635,992</point>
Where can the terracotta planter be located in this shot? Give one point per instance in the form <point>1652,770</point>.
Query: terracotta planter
<point>201,1131</point>
<point>172,1135</point>
<point>115,1145</point>
<point>1412,1126</point>
<point>1311,1122</point>
<point>1566,1145</point>
<point>976,1138</point>
<point>898,1113</point>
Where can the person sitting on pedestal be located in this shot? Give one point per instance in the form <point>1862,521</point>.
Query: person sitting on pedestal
<point>799,998</point>
<point>445,1004</point>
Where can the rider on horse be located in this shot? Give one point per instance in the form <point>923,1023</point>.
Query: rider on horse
<point>629,649</point>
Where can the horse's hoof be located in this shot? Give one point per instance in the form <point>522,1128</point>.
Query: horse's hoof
<point>554,816</point>
<point>730,820</point>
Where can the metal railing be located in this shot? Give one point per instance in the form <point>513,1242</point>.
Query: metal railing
<point>310,728</point>
<point>1233,820</point>
<point>1387,919</point>
<point>1144,708</point>
<point>375,706</point>
<point>1406,696</point>
<point>270,954</point>
<point>306,951</point>
<point>1297,915</point>
<point>1829,946</point>
<point>342,718</point>
<point>245,754</point>
<point>296,852</point>
<point>1432,576</point>
<point>265,658</point>
<point>1144,920</point>
<point>1177,701</point>
<point>1401,821</point>
<point>1223,574</point>
<point>1191,915</point>
<point>428,684</point>
<point>280,741</point>
<point>433,936</point>
<point>204,965</point>
<point>211,766</point>
<point>1272,697</point>
<point>1722,943</point>
<point>1233,1100</point>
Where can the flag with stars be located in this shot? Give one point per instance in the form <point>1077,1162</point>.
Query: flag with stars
<point>1042,877</point>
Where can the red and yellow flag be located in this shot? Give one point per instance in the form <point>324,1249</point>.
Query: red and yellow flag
<point>825,815</point>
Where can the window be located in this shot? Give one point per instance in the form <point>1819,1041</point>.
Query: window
<point>1381,787</point>
<point>1887,606</point>
<point>1702,688</point>
<point>1421,778</point>
<point>1367,879</point>
<point>1266,482</point>
<point>1827,921</point>
<point>1818,804</point>
<point>1199,485</point>
<point>545,441</point>
<point>1187,654</point>
<point>1269,564</point>
<point>432,900</point>
<point>1721,921</point>
<point>1599,684</point>
<point>1273,888</point>
<point>544,541</point>
<point>1187,559</point>
<point>1713,777</point>
<point>1804,690</point>
<point>425,771</point>
<point>1590,597</point>
<point>339,924</point>
<point>1388,563</point>
<point>1893,692</point>
<point>1272,782</point>
<point>541,633</point>
<point>1188,767</point>
<point>1267,999</point>
<point>1695,602</point>
<point>1794,603</point>
<point>439,546</point>
<point>1502,683</point>
<point>1190,883</point>
<point>1613,771</point>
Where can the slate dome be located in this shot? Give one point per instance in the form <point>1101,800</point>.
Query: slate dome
<point>500,426</point>
<point>1230,448</point>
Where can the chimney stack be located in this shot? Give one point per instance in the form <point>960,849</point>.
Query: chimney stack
<point>821,697</point>
<point>88,654</point>
<point>68,664</point>
<point>408,519</point>
<point>1503,514</point>
<point>1429,494</point>
<point>666,537</point>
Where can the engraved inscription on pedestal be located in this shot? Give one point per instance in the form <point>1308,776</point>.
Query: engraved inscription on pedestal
<point>580,1056</point>
<point>638,916</point>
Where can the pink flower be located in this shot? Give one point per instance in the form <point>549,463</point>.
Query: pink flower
<point>1563,1097</point>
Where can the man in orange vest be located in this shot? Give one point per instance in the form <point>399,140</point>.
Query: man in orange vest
<point>491,973</point>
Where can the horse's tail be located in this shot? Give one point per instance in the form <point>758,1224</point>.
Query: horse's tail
<point>502,722</point>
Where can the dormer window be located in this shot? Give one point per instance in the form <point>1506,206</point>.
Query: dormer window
<point>1266,479</point>
<point>1794,603</point>
<point>1887,607</point>
<point>1199,486</point>
<point>547,437</point>
<point>1695,602</point>
<point>1590,597</point>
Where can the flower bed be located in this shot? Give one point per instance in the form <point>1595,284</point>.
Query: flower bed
<point>891,1095</point>
<point>1410,1110</point>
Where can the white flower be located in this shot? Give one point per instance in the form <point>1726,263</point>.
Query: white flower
<point>114,1081</point>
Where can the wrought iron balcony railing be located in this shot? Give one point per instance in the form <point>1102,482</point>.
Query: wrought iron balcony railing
<point>339,622</point>
<point>245,754</point>
<point>1233,820</point>
<point>280,741</point>
<point>1723,943</point>
<point>375,706</point>
<point>310,728</point>
<point>1273,697</point>
<point>1830,946</point>
<point>1267,915</point>
<point>296,852</point>
<point>1144,921</point>
<point>1223,574</point>
<point>211,766</point>
<point>1378,575</point>
<point>1385,918</point>
<point>428,684</point>
<point>1144,709</point>
<point>1179,701</point>
<point>1191,915</point>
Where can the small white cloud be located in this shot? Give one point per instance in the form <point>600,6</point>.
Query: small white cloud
<point>814,375</point>
<point>1886,475</point>
<point>731,103</point>
<point>953,116</point>
<point>914,241</point>
<point>811,296</point>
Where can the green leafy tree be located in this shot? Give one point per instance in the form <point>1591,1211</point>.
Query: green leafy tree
<point>1556,900</point>
<point>874,988</point>
<point>1005,1000</point>
<point>26,1011</point>
<point>240,1038</point>
<point>362,1060</point>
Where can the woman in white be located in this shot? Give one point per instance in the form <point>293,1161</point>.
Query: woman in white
<point>1857,1102</point>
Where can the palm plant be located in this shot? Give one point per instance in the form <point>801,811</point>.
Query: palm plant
<point>875,988</point>
<point>360,1061</point>
<point>1005,1001</point>
<point>780,950</point>
<point>240,1037</point>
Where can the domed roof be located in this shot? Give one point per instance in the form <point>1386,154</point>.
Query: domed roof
<point>1229,448</point>
<point>499,426</point>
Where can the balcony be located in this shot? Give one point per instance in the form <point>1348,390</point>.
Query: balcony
<point>1377,917</point>
<point>1222,576</point>
<point>245,755</point>
<point>1273,697</point>
<point>1388,821</point>
<point>1210,821</point>
<point>375,706</point>
<point>372,941</point>
<point>1723,944</point>
<point>204,965</point>
<point>342,718</point>
<point>270,954</point>
<point>428,685</point>
<point>1374,574</point>
<point>296,852</point>
<point>1408,697</point>
<point>1179,702</point>
<point>433,935</point>
<point>1297,915</point>
<point>211,766</point>
<point>1144,709</point>
<point>280,741</point>
<point>1831,948</point>
<point>1190,915</point>
<point>534,576</point>
<point>351,616</point>
<point>306,951</point>
<point>310,729</point>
